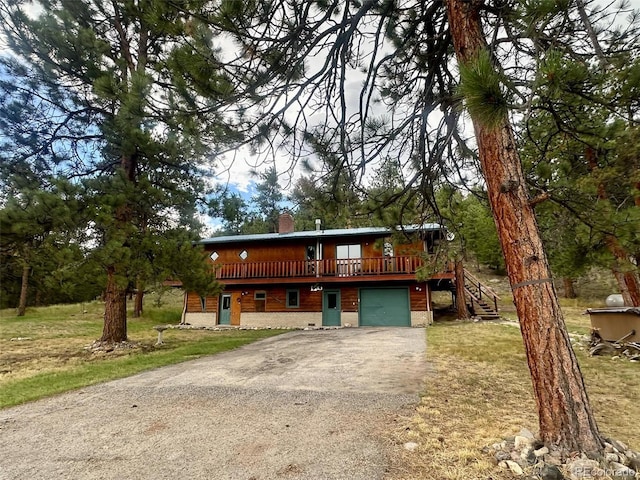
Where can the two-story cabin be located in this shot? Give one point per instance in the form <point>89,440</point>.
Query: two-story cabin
<point>342,277</point>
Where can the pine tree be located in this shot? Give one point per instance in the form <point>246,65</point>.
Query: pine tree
<point>124,96</point>
<point>36,229</point>
<point>268,199</point>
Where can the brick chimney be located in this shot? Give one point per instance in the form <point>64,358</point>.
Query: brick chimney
<point>285,223</point>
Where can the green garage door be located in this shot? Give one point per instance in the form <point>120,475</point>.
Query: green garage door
<point>388,307</point>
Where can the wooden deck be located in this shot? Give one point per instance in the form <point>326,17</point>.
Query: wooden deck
<point>326,271</point>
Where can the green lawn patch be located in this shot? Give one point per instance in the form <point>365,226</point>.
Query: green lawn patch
<point>46,351</point>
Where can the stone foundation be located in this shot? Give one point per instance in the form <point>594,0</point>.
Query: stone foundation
<point>200,319</point>
<point>281,319</point>
<point>292,319</point>
<point>421,319</point>
<point>349,319</point>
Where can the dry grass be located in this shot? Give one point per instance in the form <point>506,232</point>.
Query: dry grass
<point>45,352</point>
<point>479,392</point>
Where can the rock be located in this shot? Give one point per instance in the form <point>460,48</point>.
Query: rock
<point>411,446</point>
<point>550,472</point>
<point>514,467</point>
<point>611,457</point>
<point>501,456</point>
<point>634,462</point>
<point>608,448</point>
<point>622,472</point>
<point>541,452</point>
<point>552,460</point>
<point>522,442</point>
<point>584,468</point>
<point>619,446</point>
<point>527,434</point>
<point>528,456</point>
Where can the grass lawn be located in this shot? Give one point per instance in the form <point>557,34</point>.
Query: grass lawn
<point>479,391</point>
<point>44,352</point>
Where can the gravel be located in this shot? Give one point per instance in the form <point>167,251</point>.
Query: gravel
<point>303,405</point>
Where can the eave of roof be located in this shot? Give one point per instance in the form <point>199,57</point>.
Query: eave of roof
<point>318,234</point>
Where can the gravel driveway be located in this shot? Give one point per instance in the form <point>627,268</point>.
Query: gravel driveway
<point>303,405</point>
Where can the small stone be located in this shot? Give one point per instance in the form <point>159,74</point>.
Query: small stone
<point>514,467</point>
<point>526,433</point>
<point>552,460</point>
<point>584,468</point>
<point>634,462</point>
<point>541,452</point>
<point>551,472</point>
<point>608,448</point>
<point>411,446</point>
<point>619,446</point>
<point>522,442</point>
<point>622,472</point>
<point>528,456</point>
<point>615,357</point>
<point>611,457</point>
<point>501,456</point>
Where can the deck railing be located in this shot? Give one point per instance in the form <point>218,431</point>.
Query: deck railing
<point>320,268</point>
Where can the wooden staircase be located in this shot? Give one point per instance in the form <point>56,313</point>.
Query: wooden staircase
<point>481,300</point>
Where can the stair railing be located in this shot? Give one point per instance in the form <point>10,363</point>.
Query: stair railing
<point>480,289</point>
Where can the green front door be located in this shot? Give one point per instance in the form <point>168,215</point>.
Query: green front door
<point>225,310</point>
<point>388,307</point>
<point>331,308</point>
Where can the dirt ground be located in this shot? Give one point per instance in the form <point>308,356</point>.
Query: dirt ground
<point>304,405</point>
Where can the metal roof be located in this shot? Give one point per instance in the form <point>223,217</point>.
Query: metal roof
<point>339,232</point>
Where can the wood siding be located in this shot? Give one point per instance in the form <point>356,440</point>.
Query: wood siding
<point>372,247</point>
<point>276,298</point>
<point>418,298</point>
<point>258,252</point>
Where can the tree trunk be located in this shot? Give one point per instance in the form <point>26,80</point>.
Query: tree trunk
<point>461,304</point>
<point>569,288</point>
<point>115,310</point>
<point>137,307</point>
<point>628,281</point>
<point>24,287</point>
<point>628,285</point>
<point>564,412</point>
<point>115,296</point>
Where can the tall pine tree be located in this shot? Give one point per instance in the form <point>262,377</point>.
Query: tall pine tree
<point>126,96</point>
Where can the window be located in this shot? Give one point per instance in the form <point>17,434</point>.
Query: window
<point>311,252</point>
<point>214,256</point>
<point>293,298</point>
<point>348,257</point>
<point>243,254</point>
<point>260,299</point>
<point>226,302</point>
<point>332,300</point>
<point>203,303</point>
